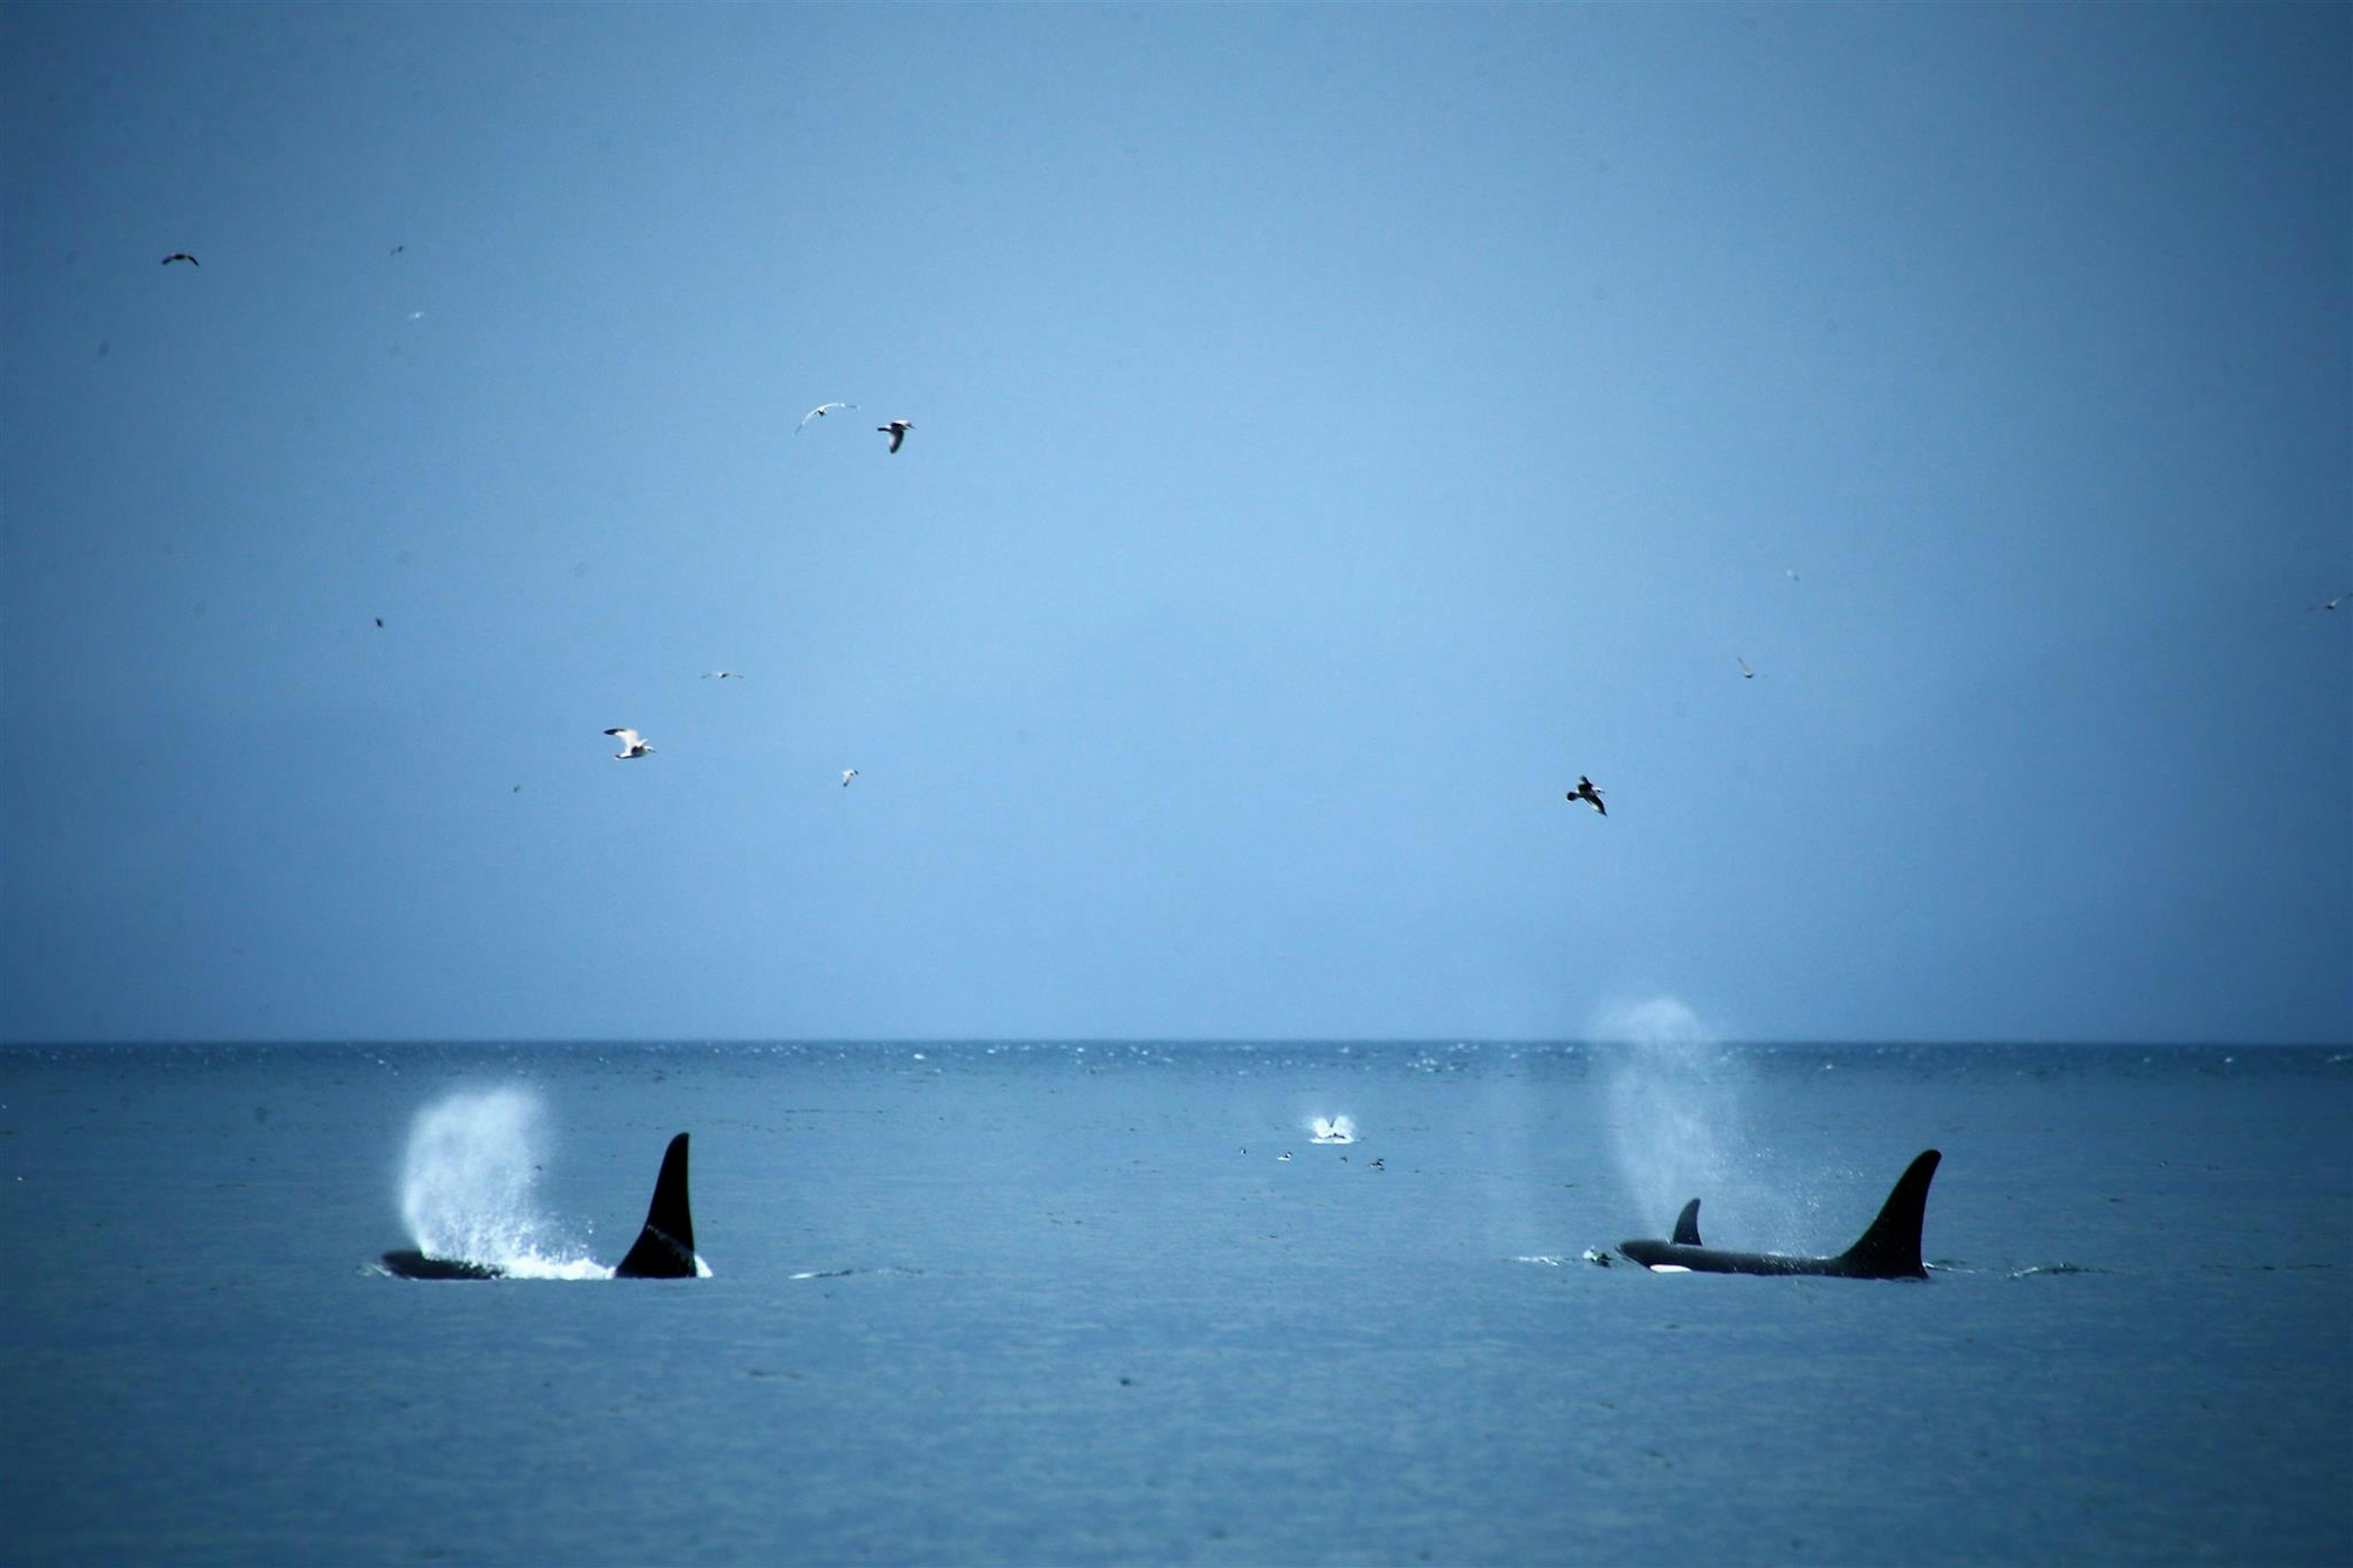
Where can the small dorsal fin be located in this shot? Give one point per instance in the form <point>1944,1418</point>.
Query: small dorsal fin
<point>1687,1225</point>
<point>1890,1249</point>
<point>665,1249</point>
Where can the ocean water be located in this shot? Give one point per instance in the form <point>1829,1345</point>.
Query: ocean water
<point>1062,1304</point>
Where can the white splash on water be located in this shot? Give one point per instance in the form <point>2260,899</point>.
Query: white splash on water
<point>466,1187</point>
<point>1332,1130</point>
<point>1673,1105</point>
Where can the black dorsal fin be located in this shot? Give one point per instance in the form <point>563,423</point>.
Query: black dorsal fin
<point>665,1249</point>
<point>1687,1225</point>
<point>1890,1249</point>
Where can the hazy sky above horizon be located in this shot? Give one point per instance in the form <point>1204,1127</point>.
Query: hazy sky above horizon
<point>1337,429</point>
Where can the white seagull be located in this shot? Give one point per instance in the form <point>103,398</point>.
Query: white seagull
<point>820,411</point>
<point>2333,603</point>
<point>897,430</point>
<point>720,674</point>
<point>848,774</point>
<point>1746,673</point>
<point>632,745</point>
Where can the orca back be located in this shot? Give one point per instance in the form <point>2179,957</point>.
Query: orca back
<point>410,1264</point>
<point>665,1249</point>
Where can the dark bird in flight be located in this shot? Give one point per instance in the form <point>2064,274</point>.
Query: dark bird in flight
<point>897,430</point>
<point>379,623</point>
<point>182,255</point>
<point>2333,603</point>
<point>398,248</point>
<point>1588,794</point>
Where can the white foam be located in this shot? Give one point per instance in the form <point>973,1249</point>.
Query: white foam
<point>532,1267</point>
<point>1335,1129</point>
<point>466,1187</point>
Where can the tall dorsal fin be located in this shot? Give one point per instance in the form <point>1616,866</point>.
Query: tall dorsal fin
<point>1687,1225</point>
<point>665,1249</point>
<point>1890,1249</point>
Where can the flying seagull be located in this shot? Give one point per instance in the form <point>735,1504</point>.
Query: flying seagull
<point>1746,673</point>
<point>2333,603</point>
<point>182,255</point>
<point>379,623</point>
<point>820,411</point>
<point>398,248</point>
<point>897,430</point>
<point>848,774</point>
<point>720,674</point>
<point>1588,794</point>
<point>632,745</point>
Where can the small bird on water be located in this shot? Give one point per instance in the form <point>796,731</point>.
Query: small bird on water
<point>632,745</point>
<point>897,430</point>
<point>1588,794</point>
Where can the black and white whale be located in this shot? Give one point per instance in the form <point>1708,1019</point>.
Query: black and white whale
<point>1890,1249</point>
<point>664,1249</point>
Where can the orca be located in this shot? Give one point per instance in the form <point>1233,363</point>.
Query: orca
<point>664,1249</point>
<point>1890,1249</point>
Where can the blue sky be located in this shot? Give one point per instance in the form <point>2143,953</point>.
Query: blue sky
<point>1336,430</point>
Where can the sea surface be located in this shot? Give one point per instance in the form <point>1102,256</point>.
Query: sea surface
<point>1059,1303</point>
